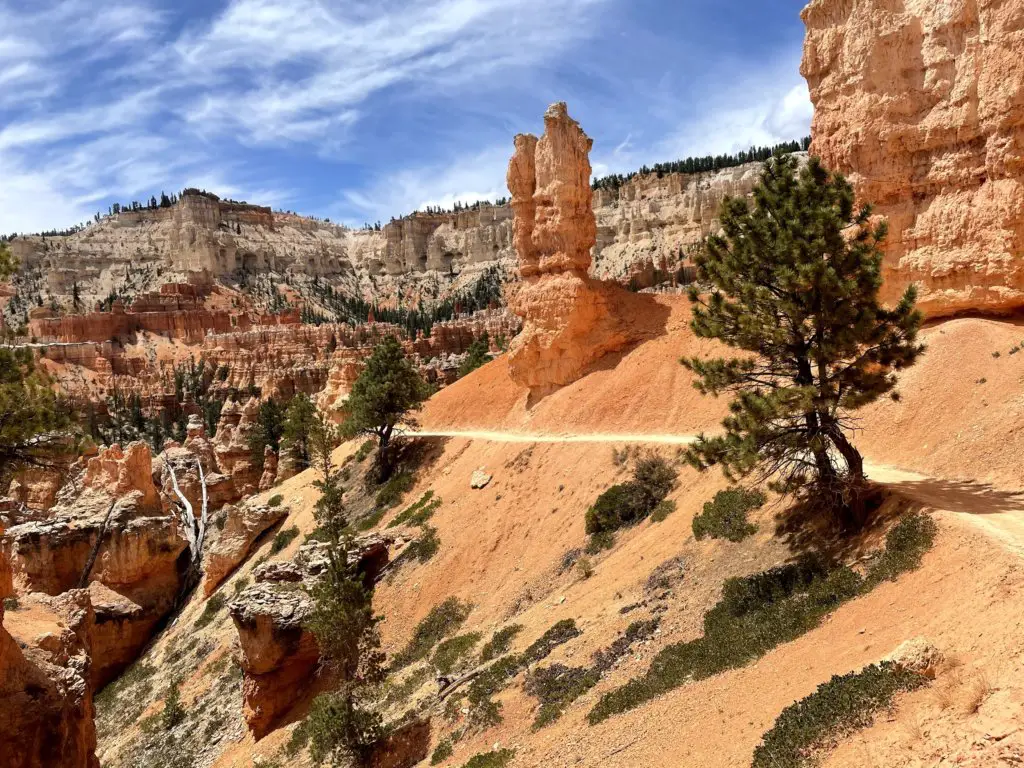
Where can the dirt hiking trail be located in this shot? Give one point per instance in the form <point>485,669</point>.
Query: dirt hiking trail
<point>997,512</point>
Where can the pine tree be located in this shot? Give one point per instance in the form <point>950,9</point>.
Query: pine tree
<point>795,280</point>
<point>299,420</point>
<point>387,390</point>
<point>342,724</point>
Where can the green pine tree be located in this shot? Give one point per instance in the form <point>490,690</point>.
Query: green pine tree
<point>794,280</point>
<point>386,392</point>
<point>342,724</point>
<point>299,421</point>
<point>477,354</point>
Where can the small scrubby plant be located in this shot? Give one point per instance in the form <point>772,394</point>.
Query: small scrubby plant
<point>760,612</point>
<point>393,490</point>
<point>283,539</point>
<point>418,513</point>
<point>275,500</point>
<point>210,610</point>
<point>443,621</point>
<point>725,516</point>
<point>629,503</point>
<point>500,642</point>
<point>452,652</point>
<point>499,758</point>
<point>843,704</point>
<point>442,752</point>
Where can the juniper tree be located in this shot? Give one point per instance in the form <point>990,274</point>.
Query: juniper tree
<point>386,392</point>
<point>794,280</point>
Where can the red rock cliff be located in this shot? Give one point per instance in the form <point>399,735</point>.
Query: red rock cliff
<point>921,104</point>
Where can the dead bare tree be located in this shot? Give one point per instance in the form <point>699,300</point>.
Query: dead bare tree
<point>83,580</point>
<point>194,528</point>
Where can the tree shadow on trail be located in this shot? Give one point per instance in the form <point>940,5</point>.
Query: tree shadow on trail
<point>963,496</point>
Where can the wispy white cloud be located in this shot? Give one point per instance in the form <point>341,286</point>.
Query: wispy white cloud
<point>378,107</point>
<point>302,68</point>
<point>479,176</point>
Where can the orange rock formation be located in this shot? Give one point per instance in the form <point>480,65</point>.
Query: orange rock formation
<point>921,104</point>
<point>569,319</point>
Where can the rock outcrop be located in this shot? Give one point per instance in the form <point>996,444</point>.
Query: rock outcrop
<point>115,539</point>
<point>921,105</point>
<point>569,318</point>
<point>277,654</point>
<point>46,708</point>
<point>242,526</point>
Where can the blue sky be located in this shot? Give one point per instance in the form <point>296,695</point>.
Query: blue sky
<point>363,109</point>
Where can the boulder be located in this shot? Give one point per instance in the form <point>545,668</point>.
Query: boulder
<point>918,656</point>
<point>479,479</point>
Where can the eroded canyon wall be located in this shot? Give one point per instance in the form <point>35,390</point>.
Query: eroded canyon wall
<point>921,104</point>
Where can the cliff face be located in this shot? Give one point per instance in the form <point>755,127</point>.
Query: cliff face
<point>46,707</point>
<point>921,104</point>
<point>648,220</point>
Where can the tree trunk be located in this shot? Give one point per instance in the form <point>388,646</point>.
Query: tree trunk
<point>855,487</point>
<point>383,454</point>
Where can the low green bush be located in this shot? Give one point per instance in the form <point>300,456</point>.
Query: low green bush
<point>365,450</point>
<point>560,633</point>
<point>283,539</point>
<point>556,687</point>
<point>241,584</point>
<point>905,545</point>
<point>500,642</point>
<point>842,705</point>
<point>760,612</point>
<point>497,676</point>
<point>499,758</point>
<point>418,513</point>
<point>275,500</point>
<point>663,510</point>
<point>370,521</point>
<point>725,516</point>
<point>619,506</point>
<point>629,503</point>
<point>391,493</point>
<point>210,610</point>
<point>443,621</point>
<point>598,542</point>
<point>452,652</point>
<point>442,752</point>
<point>426,546</point>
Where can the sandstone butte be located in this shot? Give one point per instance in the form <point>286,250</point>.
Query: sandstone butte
<point>920,103</point>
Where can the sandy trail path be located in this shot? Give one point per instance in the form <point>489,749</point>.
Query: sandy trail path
<point>997,512</point>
